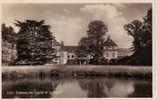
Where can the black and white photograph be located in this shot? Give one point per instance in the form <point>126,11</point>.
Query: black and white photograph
<point>76,50</point>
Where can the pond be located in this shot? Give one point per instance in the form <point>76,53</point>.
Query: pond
<point>76,87</point>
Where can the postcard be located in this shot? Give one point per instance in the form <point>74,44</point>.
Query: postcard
<point>77,49</point>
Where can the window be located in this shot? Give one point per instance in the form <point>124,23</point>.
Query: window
<point>68,56</point>
<point>107,54</point>
<point>72,56</point>
<point>114,54</point>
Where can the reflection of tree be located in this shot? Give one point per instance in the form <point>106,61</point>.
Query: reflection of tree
<point>95,87</point>
<point>39,89</point>
<point>107,87</point>
<point>142,90</point>
<point>121,88</point>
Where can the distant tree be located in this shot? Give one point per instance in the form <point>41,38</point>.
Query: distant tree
<point>92,44</point>
<point>96,29</point>
<point>8,34</point>
<point>135,30</point>
<point>142,35</point>
<point>8,44</point>
<point>34,44</point>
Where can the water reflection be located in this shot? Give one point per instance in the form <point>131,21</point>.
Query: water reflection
<point>107,87</point>
<point>69,88</point>
<point>144,89</point>
<point>99,87</point>
<point>28,88</point>
<point>121,89</point>
<point>94,87</point>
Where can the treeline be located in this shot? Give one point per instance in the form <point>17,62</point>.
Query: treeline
<point>34,41</point>
<point>141,31</point>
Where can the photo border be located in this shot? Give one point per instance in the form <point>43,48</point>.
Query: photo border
<point>154,69</point>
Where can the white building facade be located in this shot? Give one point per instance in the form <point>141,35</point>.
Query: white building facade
<point>110,49</point>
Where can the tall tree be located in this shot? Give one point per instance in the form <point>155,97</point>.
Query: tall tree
<point>135,30</point>
<point>8,44</point>
<point>142,43</point>
<point>34,44</point>
<point>92,44</point>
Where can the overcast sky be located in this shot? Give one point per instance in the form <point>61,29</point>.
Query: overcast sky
<point>69,21</point>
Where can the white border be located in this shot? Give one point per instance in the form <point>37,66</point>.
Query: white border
<point>154,2</point>
<point>76,1</point>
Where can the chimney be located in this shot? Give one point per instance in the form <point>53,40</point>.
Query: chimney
<point>62,44</point>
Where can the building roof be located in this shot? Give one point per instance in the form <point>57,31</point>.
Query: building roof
<point>109,42</point>
<point>70,48</point>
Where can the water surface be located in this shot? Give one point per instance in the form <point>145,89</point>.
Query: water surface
<point>69,87</point>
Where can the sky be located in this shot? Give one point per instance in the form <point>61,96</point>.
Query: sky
<point>69,22</point>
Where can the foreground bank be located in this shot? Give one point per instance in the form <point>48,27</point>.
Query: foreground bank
<point>77,71</point>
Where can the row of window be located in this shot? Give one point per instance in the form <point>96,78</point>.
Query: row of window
<point>71,56</point>
<point>113,54</point>
<point>110,48</point>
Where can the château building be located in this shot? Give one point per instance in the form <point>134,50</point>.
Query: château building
<point>67,54</point>
<point>110,49</point>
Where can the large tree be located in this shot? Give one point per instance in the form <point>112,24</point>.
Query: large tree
<point>34,44</point>
<point>92,44</point>
<point>141,31</point>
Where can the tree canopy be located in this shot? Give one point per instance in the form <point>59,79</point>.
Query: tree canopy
<point>141,31</point>
<point>34,44</point>
<point>92,44</point>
